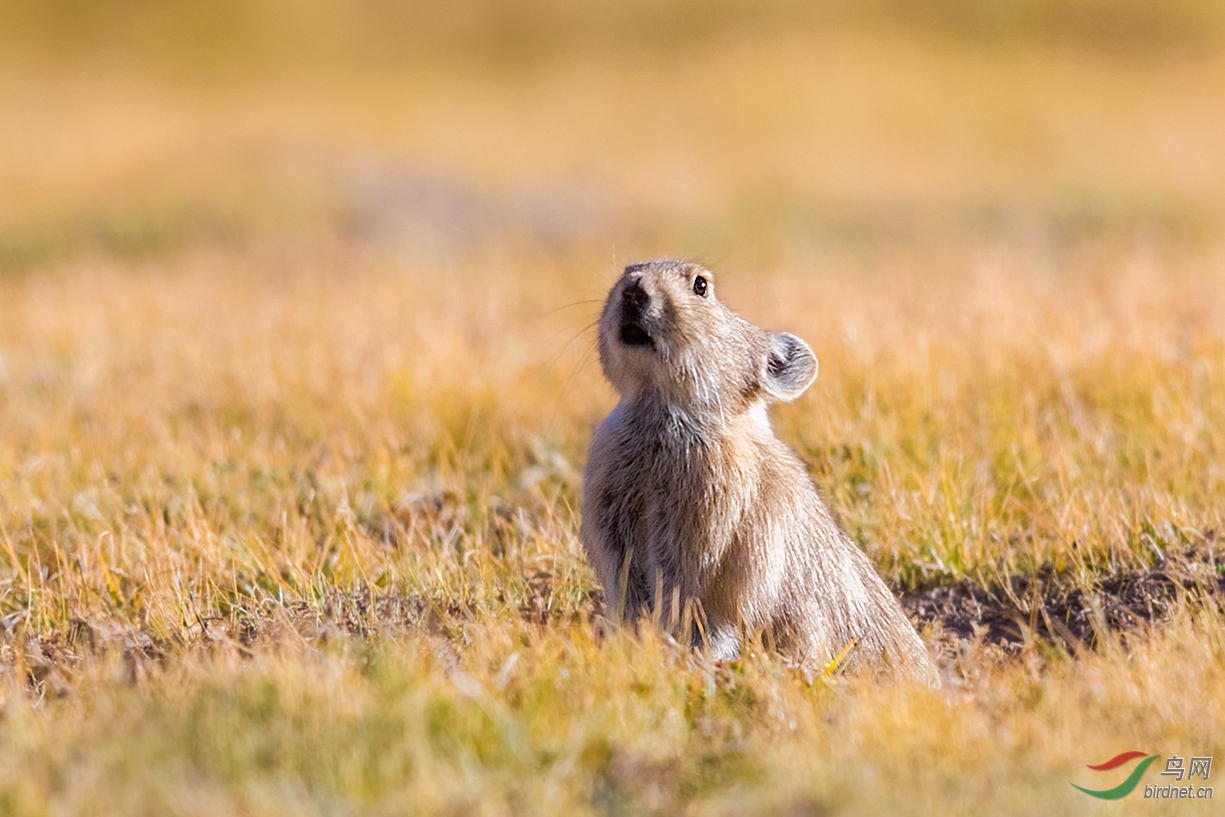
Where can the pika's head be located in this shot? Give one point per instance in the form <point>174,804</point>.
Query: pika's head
<point>664,331</point>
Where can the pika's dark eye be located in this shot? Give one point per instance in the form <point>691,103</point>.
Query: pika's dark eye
<point>700,286</point>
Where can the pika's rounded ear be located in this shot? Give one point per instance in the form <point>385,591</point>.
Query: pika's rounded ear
<point>790,366</point>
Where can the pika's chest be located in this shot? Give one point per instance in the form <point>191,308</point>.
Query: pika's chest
<point>661,463</point>
<point>654,455</point>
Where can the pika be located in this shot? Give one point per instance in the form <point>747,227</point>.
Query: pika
<point>696,515</point>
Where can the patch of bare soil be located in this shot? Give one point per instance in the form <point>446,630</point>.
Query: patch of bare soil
<point>1053,607</point>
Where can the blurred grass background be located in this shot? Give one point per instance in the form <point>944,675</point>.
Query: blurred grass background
<point>296,382</point>
<point>731,128</point>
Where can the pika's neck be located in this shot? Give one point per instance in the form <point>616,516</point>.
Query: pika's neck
<point>651,413</point>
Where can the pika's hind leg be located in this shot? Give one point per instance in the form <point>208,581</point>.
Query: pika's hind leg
<point>724,643</point>
<point>806,637</point>
<point>713,634</point>
<point>717,634</point>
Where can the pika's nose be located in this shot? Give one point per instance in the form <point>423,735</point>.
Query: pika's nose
<point>635,296</point>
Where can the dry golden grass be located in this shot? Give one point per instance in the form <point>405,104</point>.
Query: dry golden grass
<point>296,380</point>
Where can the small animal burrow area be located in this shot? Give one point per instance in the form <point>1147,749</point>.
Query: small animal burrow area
<point>1046,609</point>
<point>1052,608</point>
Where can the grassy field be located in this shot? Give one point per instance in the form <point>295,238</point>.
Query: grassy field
<point>297,375</point>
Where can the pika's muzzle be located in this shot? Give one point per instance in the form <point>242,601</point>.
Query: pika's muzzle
<point>634,300</point>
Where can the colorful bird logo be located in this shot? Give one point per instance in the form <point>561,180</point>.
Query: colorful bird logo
<point>1124,788</point>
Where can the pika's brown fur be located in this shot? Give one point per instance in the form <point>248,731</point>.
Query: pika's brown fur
<point>692,504</point>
